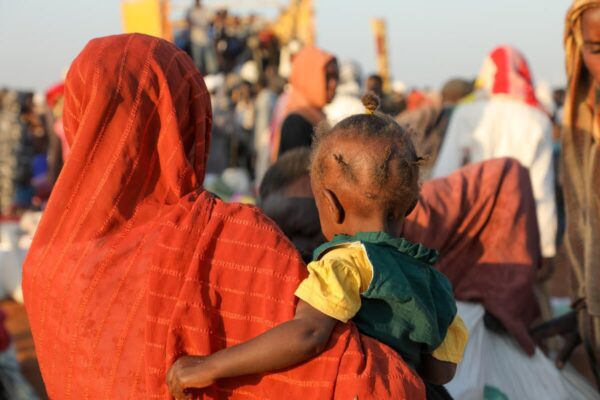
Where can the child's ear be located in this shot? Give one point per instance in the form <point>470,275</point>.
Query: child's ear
<point>412,207</point>
<point>334,206</point>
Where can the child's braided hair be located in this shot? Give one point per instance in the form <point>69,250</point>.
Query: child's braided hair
<point>394,172</point>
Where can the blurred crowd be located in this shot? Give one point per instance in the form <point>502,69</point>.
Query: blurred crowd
<point>268,97</point>
<point>262,107</point>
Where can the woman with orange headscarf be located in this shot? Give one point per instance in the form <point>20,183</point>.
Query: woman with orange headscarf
<point>134,264</point>
<point>313,82</point>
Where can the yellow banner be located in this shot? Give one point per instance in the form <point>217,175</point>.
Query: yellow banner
<point>147,16</point>
<point>296,22</point>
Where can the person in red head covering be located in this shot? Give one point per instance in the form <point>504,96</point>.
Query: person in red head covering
<point>503,118</point>
<point>134,264</point>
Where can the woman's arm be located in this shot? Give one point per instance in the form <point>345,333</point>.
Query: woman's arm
<point>286,345</point>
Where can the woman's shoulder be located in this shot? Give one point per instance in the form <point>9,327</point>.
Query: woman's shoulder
<point>243,214</point>
<point>252,228</point>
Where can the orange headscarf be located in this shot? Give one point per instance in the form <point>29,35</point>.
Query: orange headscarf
<point>308,84</point>
<point>308,91</point>
<point>134,264</point>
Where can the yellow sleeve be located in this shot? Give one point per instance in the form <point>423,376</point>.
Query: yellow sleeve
<point>453,346</point>
<point>334,283</point>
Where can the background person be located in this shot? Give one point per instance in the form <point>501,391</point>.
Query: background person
<point>306,97</point>
<point>505,119</point>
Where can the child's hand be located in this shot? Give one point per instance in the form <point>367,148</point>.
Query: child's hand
<point>281,347</point>
<point>186,373</point>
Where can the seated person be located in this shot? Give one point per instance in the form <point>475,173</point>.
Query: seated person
<point>286,197</point>
<point>364,174</point>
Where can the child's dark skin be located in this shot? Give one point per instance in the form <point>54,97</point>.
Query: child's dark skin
<point>307,335</point>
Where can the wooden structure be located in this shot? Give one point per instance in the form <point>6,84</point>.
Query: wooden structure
<point>381,49</point>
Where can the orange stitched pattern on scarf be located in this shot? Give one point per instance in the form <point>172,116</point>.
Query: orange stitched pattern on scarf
<point>134,265</point>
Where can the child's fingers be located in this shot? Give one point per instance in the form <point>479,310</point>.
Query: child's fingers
<point>173,385</point>
<point>180,394</point>
<point>184,396</point>
<point>170,375</point>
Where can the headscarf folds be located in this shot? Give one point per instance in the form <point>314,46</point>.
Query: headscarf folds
<point>134,264</point>
<point>505,72</point>
<point>308,84</point>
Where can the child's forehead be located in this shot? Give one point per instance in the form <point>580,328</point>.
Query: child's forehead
<point>357,144</point>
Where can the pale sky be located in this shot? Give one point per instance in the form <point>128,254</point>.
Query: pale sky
<point>429,40</point>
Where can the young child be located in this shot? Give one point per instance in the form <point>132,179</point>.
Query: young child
<point>364,175</point>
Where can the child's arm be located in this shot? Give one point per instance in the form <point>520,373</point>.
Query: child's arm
<point>284,346</point>
<point>435,371</point>
<point>439,367</point>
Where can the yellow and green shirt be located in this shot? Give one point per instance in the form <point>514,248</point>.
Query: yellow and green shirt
<point>389,288</point>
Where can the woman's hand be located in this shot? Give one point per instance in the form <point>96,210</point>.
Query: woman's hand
<point>189,372</point>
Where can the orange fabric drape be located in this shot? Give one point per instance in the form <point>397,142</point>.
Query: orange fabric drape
<point>134,264</point>
<point>482,220</point>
